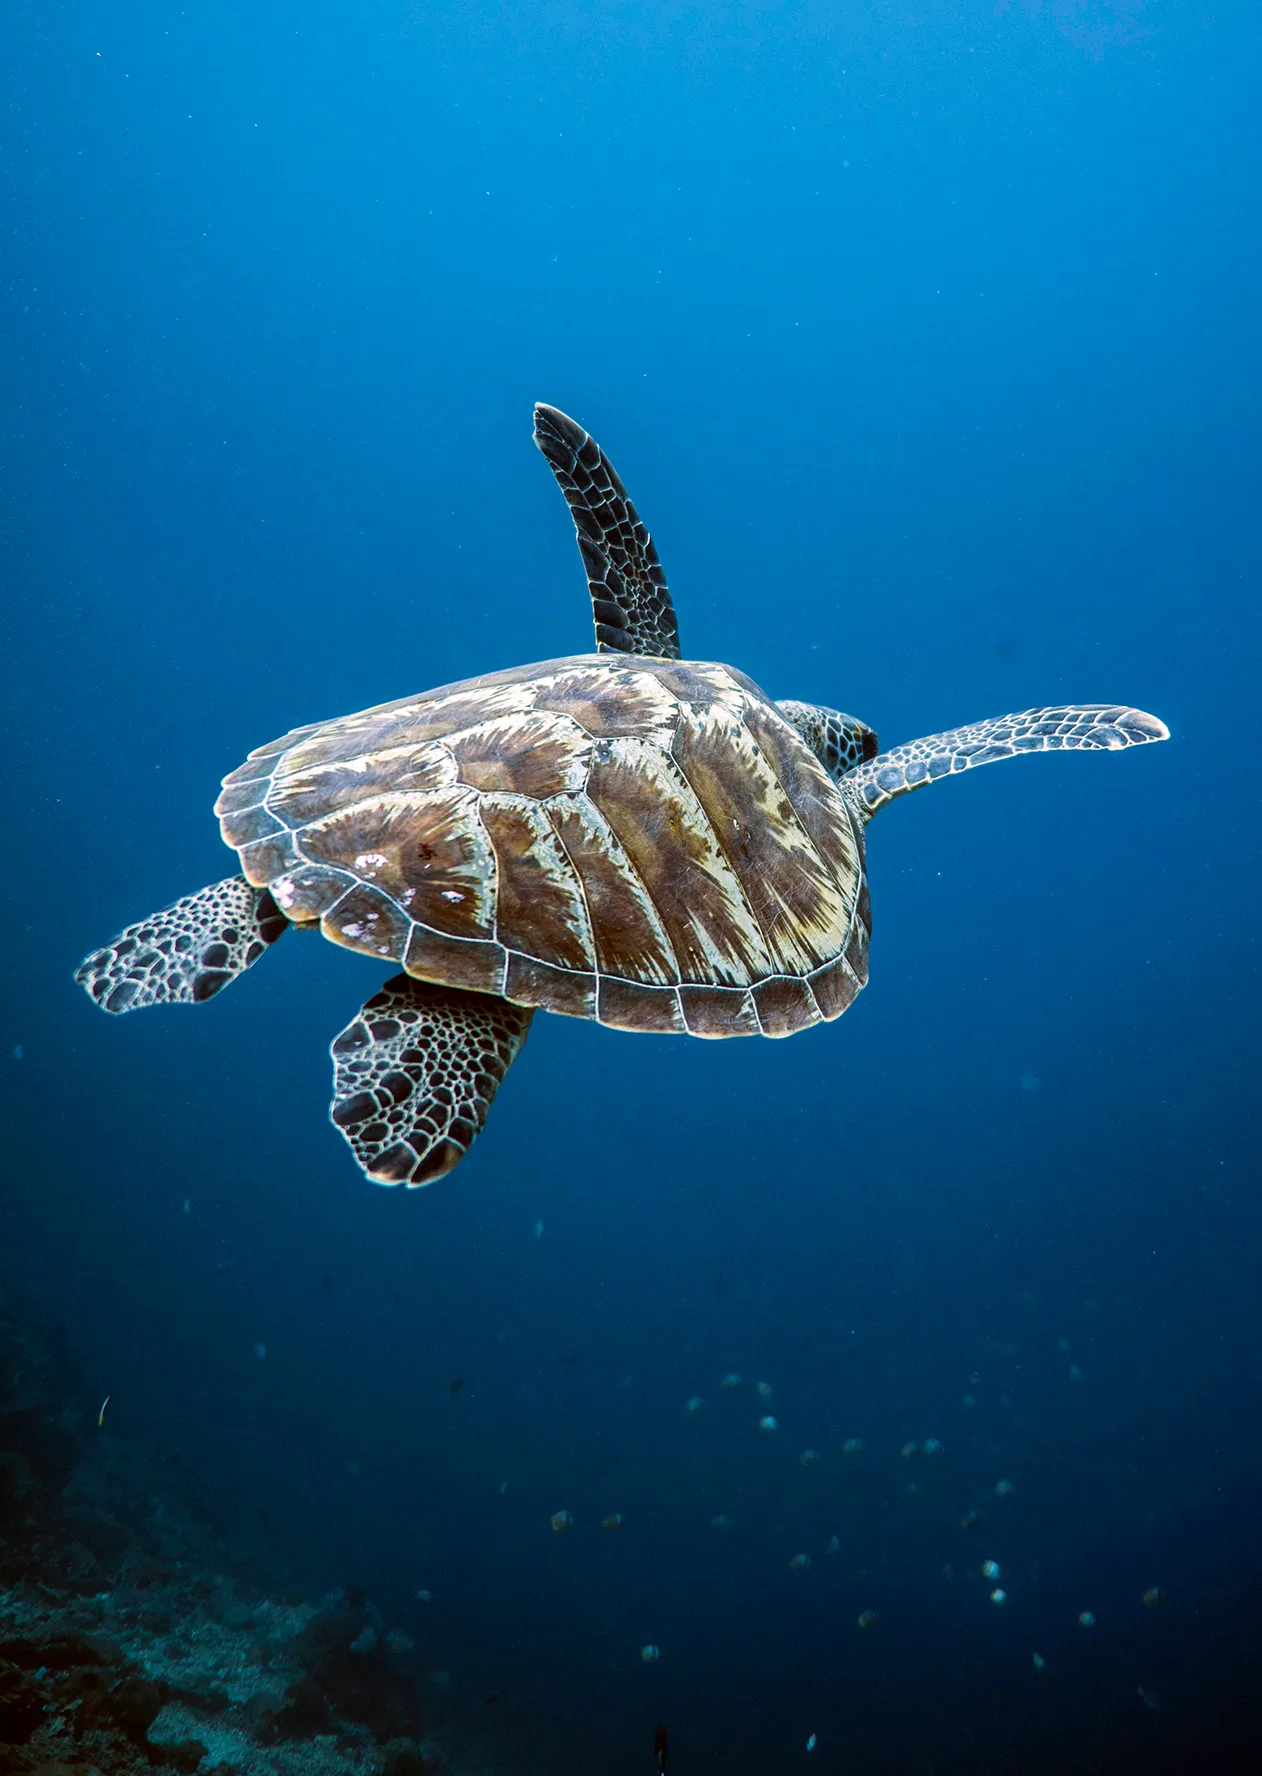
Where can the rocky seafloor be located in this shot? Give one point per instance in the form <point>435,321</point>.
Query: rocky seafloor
<point>127,1646</point>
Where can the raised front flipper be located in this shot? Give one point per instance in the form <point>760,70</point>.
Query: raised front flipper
<point>187,952</point>
<point>631,603</point>
<point>414,1076</point>
<point>1087,727</point>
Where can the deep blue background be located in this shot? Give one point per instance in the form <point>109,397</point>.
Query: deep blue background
<point>925,336</point>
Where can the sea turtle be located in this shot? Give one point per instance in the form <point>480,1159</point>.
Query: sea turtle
<point>623,835</point>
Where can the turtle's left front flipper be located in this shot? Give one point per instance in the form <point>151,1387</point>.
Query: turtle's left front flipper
<point>631,603</point>
<point>187,952</point>
<point>414,1076</point>
<point>1085,727</point>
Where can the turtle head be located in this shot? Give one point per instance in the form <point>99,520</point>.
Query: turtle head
<point>839,742</point>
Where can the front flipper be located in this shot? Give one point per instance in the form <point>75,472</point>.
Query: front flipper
<point>631,603</point>
<point>414,1076</point>
<point>1087,727</point>
<point>187,952</point>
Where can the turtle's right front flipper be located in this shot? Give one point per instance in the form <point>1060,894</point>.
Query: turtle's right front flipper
<point>1070,727</point>
<point>414,1076</point>
<point>187,952</point>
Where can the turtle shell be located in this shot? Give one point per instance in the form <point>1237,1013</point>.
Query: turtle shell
<point>646,842</point>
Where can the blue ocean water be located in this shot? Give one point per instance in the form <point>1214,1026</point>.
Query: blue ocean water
<point>925,338</point>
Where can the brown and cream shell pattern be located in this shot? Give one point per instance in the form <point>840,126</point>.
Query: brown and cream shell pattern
<point>642,841</point>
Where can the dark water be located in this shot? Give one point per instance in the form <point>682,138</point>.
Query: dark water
<point>926,340</point>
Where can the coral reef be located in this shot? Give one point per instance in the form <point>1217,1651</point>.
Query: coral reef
<point>124,1646</point>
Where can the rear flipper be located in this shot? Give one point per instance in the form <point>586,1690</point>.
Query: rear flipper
<point>187,952</point>
<point>414,1076</point>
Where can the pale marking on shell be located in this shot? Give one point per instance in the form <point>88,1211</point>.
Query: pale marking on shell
<point>746,959</point>
<point>793,942</point>
<point>635,882</point>
<point>547,846</point>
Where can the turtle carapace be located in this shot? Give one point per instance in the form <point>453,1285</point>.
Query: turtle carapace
<point>626,836</point>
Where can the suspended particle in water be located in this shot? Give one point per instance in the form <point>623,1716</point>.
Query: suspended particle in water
<point>1039,1661</point>
<point>561,1521</point>
<point>811,1742</point>
<point>852,1446</point>
<point>800,1563</point>
<point>809,1457</point>
<point>1154,1597</point>
<point>615,1520</point>
<point>970,1519</point>
<point>867,1618</point>
<point>990,1569</point>
<point>650,1654</point>
<point>767,1424</point>
<point>999,1595</point>
<point>730,1381</point>
<point>1003,1488</point>
<point>1087,1618</point>
<point>765,1390</point>
<point>694,1404</point>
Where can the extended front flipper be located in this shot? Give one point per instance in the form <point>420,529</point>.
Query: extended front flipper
<point>631,603</point>
<point>187,952</point>
<point>1086,727</point>
<point>414,1076</point>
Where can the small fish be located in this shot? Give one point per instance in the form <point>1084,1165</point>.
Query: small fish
<point>661,1749</point>
<point>505,1487</point>
<point>812,1742</point>
<point>767,1424</point>
<point>614,1520</point>
<point>650,1654</point>
<point>990,1569</point>
<point>561,1521</point>
<point>809,1457</point>
<point>1087,1618</point>
<point>1003,1488</point>
<point>454,1387</point>
<point>868,1618</point>
<point>425,1594</point>
<point>1039,1661</point>
<point>800,1563</point>
<point>834,1545</point>
<point>999,1595</point>
<point>729,1382</point>
<point>765,1390</point>
<point>1154,1597</point>
<point>852,1446</point>
<point>694,1404</point>
<point>970,1519</point>
<point>100,1417</point>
